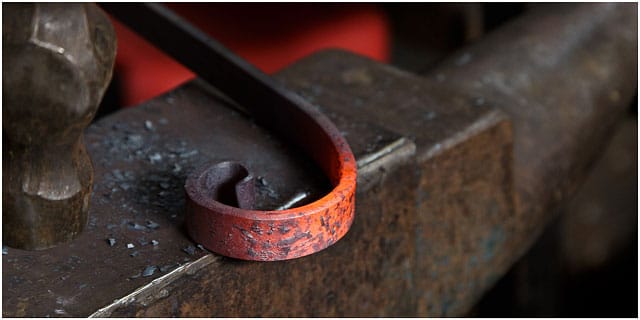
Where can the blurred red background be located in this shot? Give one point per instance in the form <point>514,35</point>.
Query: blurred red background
<point>270,36</point>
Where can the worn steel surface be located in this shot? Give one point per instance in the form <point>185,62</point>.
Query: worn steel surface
<point>57,60</point>
<point>564,73</point>
<point>244,233</point>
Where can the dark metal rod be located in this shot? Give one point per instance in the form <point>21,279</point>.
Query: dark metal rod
<point>269,102</point>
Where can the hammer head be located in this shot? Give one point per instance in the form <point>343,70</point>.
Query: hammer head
<point>58,60</point>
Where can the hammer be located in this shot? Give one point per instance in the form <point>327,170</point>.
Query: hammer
<point>58,60</point>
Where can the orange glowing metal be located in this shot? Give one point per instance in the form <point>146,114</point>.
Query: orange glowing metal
<point>278,235</point>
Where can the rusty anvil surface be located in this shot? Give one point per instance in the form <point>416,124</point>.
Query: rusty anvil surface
<point>454,180</point>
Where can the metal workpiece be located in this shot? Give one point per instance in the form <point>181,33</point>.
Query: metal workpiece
<point>57,63</point>
<point>564,73</point>
<point>229,225</point>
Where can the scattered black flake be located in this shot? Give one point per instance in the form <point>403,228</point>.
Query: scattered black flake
<point>111,242</point>
<point>155,158</point>
<point>148,125</point>
<point>188,154</point>
<point>190,250</point>
<point>152,225</point>
<point>167,267</point>
<point>93,221</point>
<point>134,254</point>
<point>201,247</point>
<point>130,246</point>
<point>155,242</point>
<point>125,186</point>
<point>143,241</point>
<point>117,174</point>
<point>134,141</point>
<point>149,271</point>
<point>5,251</point>
<point>136,226</point>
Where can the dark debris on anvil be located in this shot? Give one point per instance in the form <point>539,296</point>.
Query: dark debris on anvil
<point>149,125</point>
<point>149,271</point>
<point>136,226</point>
<point>111,242</point>
<point>190,250</point>
<point>155,158</point>
<point>188,154</point>
<point>168,161</point>
<point>134,141</point>
<point>131,146</point>
<point>117,174</point>
<point>168,267</point>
